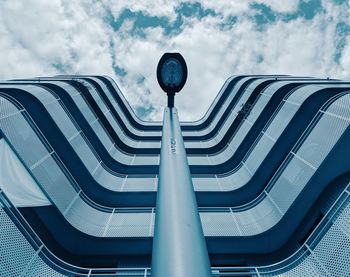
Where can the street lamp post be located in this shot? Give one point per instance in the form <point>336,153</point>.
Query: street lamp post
<point>179,247</point>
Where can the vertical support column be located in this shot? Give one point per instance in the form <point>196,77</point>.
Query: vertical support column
<point>179,247</point>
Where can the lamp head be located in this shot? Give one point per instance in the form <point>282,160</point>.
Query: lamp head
<point>172,72</point>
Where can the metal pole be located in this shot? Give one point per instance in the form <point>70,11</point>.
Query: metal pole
<point>171,100</point>
<point>179,247</point>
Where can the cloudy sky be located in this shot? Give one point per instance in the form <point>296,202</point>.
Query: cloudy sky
<point>125,39</point>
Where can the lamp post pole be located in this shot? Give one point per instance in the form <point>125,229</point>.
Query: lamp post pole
<point>179,247</point>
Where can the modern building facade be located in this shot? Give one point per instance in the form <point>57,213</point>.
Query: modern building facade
<point>269,163</point>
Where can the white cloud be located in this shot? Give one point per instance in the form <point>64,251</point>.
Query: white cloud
<point>153,8</point>
<point>227,7</point>
<point>281,6</point>
<point>46,37</point>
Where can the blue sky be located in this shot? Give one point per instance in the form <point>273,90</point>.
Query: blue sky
<point>125,39</point>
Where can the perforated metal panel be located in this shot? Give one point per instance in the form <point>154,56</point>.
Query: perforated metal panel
<point>205,184</point>
<point>322,139</point>
<point>84,108</point>
<point>341,107</point>
<point>331,256</point>
<point>40,268</point>
<point>61,119</point>
<point>259,153</point>
<point>333,252</point>
<point>236,180</point>
<point>87,219</point>
<point>20,134</point>
<point>7,108</point>
<point>13,263</point>
<point>55,183</point>
<point>102,135</point>
<point>17,256</point>
<point>260,104</point>
<point>307,267</point>
<point>299,94</point>
<point>130,225</point>
<point>108,180</point>
<point>222,156</point>
<point>292,180</point>
<point>219,224</point>
<point>84,153</point>
<point>240,135</point>
<point>281,119</point>
<point>258,219</point>
<point>139,183</point>
<point>145,159</point>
